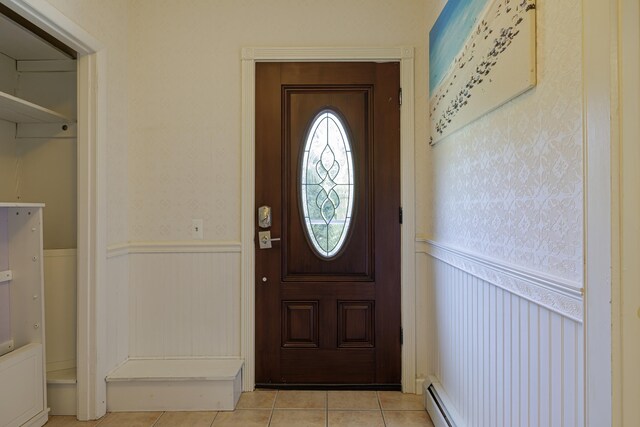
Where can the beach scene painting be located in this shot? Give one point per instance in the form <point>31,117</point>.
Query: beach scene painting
<point>482,53</point>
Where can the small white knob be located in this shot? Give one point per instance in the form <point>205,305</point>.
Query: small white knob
<point>264,279</point>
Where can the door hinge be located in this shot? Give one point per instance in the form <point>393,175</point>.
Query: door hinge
<point>401,336</point>
<point>400,96</point>
<point>400,215</point>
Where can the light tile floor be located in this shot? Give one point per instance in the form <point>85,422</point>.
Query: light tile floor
<point>283,408</point>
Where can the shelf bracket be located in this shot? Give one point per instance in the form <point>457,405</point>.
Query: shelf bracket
<point>6,276</point>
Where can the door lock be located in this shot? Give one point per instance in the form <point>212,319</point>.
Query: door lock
<point>265,239</point>
<point>264,216</point>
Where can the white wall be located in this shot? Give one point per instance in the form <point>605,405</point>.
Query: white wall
<point>5,296</point>
<point>508,190</point>
<point>47,167</point>
<point>60,286</point>
<point>184,63</point>
<point>108,23</point>
<point>185,145</point>
<point>8,163</point>
<point>174,149</point>
<point>8,75</point>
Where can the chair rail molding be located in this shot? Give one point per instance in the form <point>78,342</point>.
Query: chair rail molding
<point>182,246</point>
<point>559,295</point>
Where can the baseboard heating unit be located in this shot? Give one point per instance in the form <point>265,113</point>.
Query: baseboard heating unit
<point>438,406</point>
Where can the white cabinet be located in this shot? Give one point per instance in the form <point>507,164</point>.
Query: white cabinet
<point>23,398</point>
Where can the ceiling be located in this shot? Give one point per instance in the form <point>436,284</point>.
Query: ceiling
<point>21,45</point>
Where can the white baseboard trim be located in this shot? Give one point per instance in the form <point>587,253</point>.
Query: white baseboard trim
<point>39,420</point>
<point>559,295</point>
<point>439,406</point>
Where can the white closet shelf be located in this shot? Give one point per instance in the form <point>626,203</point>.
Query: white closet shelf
<point>17,110</point>
<point>20,205</point>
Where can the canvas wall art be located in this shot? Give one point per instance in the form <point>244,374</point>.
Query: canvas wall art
<point>481,54</point>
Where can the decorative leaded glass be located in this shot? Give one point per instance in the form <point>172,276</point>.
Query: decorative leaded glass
<point>327,184</point>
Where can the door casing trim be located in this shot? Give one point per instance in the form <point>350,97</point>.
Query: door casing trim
<point>403,55</point>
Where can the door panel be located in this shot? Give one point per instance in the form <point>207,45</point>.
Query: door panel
<point>329,320</point>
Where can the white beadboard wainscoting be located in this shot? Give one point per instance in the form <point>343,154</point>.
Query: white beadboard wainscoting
<point>176,307</point>
<point>508,342</point>
<point>117,309</point>
<point>183,298</point>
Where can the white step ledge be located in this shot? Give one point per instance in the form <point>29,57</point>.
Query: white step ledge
<point>191,384</point>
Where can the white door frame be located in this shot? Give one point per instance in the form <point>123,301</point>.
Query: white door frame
<point>626,298</point>
<point>597,93</point>
<point>91,175</point>
<point>403,55</point>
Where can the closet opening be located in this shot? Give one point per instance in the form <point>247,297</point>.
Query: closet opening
<point>39,164</point>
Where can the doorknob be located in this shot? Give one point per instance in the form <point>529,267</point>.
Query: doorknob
<point>265,239</point>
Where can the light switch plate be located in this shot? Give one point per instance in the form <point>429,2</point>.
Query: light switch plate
<point>197,231</point>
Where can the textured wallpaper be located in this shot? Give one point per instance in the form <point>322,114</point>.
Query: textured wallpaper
<point>185,94</point>
<point>509,186</point>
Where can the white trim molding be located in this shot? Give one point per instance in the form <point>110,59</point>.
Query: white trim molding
<point>557,294</point>
<point>174,247</point>
<point>626,329</point>
<point>50,19</point>
<point>403,55</point>
<point>599,55</point>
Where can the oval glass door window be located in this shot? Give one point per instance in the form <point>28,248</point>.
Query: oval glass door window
<point>327,184</point>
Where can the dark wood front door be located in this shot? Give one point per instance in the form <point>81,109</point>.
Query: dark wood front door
<point>328,165</point>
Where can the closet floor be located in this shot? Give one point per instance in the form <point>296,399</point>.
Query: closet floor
<point>283,408</point>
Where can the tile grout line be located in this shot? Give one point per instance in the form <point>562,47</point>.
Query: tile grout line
<point>326,408</point>
<point>273,406</point>
<point>384,420</point>
<point>216,416</point>
<point>158,419</point>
